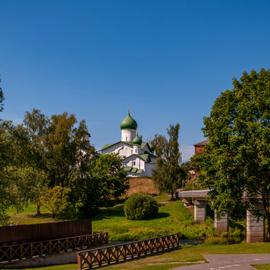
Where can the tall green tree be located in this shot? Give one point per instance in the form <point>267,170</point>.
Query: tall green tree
<point>109,170</point>
<point>168,173</point>
<point>6,200</point>
<point>104,182</point>
<point>36,125</point>
<point>61,155</point>
<point>237,159</point>
<point>5,155</point>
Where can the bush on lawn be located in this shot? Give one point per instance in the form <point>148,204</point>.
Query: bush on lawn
<point>140,206</point>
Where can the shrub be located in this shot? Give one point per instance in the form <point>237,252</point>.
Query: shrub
<point>234,236</point>
<point>56,200</point>
<point>140,206</point>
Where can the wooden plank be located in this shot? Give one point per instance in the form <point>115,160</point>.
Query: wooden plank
<point>95,258</point>
<point>45,231</point>
<point>21,251</point>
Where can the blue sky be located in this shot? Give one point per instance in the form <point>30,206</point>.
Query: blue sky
<point>166,60</point>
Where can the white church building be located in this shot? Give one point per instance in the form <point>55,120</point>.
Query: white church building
<point>137,156</point>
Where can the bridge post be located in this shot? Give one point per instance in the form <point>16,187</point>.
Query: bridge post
<point>221,223</point>
<point>255,227</point>
<point>200,210</point>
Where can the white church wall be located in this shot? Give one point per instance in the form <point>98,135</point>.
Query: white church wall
<point>135,162</point>
<point>127,135</point>
<point>120,149</point>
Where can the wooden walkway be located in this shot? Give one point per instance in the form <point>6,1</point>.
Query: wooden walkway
<point>27,250</point>
<point>99,257</point>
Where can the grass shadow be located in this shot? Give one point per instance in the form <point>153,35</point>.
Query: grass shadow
<point>109,212</point>
<point>162,215</point>
<point>45,215</point>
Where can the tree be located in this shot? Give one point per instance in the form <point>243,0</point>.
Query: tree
<point>36,125</point>
<point>104,182</point>
<point>56,200</point>
<point>168,173</point>
<point>5,199</point>
<point>60,156</point>
<point>237,159</point>
<point>109,171</point>
<point>5,185</point>
<point>68,149</point>
<point>30,184</point>
<point>1,98</point>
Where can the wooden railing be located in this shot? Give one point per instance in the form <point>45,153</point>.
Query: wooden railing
<point>26,250</point>
<point>99,257</point>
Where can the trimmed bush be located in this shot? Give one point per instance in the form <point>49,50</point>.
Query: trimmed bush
<point>140,206</point>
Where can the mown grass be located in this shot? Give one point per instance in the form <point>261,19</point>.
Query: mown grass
<point>263,267</point>
<point>27,216</point>
<point>180,257</point>
<point>173,217</point>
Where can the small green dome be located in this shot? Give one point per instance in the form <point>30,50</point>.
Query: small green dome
<point>128,123</point>
<point>137,140</point>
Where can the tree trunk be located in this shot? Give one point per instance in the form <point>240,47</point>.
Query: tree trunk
<point>267,217</point>
<point>265,200</point>
<point>172,195</point>
<point>38,210</point>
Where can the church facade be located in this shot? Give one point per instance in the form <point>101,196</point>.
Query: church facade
<point>137,156</point>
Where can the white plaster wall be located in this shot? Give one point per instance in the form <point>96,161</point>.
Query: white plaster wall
<point>121,149</point>
<point>127,135</point>
<point>135,149</point>
<point>135,163</point>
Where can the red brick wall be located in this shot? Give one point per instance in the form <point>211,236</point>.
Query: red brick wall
<point>199,149</point>
<point>142,184</point>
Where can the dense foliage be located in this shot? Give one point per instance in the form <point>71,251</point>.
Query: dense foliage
<point>50,161</point>
<point>168,174</point>
<point>140,206</point>
<point>56,200</point>
<point>237,159</point>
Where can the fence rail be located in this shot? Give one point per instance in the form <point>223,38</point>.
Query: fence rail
<point>99,257</point>
<point>44,231</point>
<point>20,251</point>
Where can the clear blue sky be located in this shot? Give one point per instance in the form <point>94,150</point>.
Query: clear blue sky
<point>165,60</point>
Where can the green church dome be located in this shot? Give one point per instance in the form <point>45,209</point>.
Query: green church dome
<point>128,123</point>
<point>137,140</point>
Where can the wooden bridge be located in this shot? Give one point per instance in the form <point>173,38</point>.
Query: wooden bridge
<point>28,250</point>
<point>99,257</point>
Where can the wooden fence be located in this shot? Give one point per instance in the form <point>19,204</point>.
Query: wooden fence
<point>45,231</point>
<point>99,257</point>
<point>9,253</point>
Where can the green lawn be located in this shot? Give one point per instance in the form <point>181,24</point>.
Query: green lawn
<point>184,256</point>
<point>27,216</point>
<point>173,217</point>
<point>263,267</point>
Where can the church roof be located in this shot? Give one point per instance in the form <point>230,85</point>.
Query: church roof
<point>137,140</point>
<point>142,145</point>
<point>133,170</point>
<point>128,122</point>
<point>112,144</point>
<point>146,157</point>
